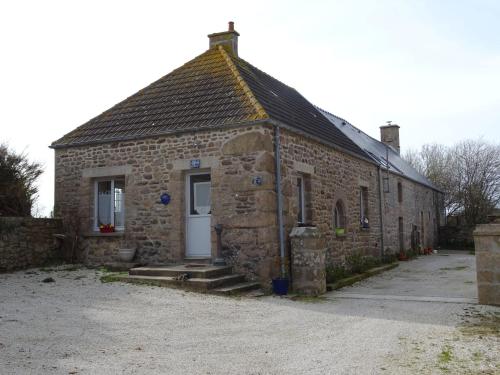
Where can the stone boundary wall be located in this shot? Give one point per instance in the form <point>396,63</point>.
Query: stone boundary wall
<point>27,242</point>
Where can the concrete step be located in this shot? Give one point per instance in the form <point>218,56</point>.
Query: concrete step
<point>237,288</point>
<point>200,271</point>
<point>195,284</point>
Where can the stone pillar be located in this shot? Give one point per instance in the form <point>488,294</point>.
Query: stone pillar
<point>308,261</point>
<point>487,244</point>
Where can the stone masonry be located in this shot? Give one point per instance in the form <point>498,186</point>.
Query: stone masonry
<point>308,261</point>
<point>27,242</point>
<point>234,156</point>
<point>157,165</point>
<point>333,175</point>
<point>487,244</point>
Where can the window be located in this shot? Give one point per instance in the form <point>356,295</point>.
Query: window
<point>110,203</point>
<point>300,200</point>
<point>363,205</point>
<point>200,194</point>
<point>400,192</point>
<point>339,215</point>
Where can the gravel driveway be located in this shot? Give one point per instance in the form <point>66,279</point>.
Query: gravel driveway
<point>77,325</point>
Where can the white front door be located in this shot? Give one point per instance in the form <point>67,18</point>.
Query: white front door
<point>198,212</point>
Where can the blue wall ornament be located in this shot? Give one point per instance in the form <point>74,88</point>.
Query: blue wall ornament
<point>165,198</point>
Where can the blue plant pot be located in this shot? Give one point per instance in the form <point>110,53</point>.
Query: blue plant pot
<point>280,286</point>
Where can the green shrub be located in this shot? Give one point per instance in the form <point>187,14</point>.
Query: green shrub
<point>389,258</point>
<point>355,263</point>
<point>335,273</point>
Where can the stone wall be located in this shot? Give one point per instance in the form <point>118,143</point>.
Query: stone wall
<point>27,242</point>
<point>487,244</point>
<point>419,208</point>
<point>332,175</point>
<point>247,211</point>
<point>154,166</point>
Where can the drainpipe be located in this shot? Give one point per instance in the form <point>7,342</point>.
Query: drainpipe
<point>381,210</point>
<point>277,154</point>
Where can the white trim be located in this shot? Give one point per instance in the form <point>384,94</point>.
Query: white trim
<point>111,202</point>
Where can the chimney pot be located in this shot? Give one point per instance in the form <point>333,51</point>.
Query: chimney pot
<point>231,26</point>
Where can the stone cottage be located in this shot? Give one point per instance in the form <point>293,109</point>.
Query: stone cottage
<point>218,141</point>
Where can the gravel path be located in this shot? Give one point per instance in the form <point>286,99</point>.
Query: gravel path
<point>77,325</point>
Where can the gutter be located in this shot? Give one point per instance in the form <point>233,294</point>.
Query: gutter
<point>279,213</point>
<point>381,210</point>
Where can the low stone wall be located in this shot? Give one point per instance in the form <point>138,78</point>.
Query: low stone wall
<point>27,242</point>
<point>487,243</point>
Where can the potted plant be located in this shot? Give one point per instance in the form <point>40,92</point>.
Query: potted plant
<point>402,256</point>
<point>339,232</point>
<point>126,253</point>
<point>106,228</point>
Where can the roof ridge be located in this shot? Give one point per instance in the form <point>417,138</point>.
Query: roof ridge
<point>350,124</point>
<point>246,89</point>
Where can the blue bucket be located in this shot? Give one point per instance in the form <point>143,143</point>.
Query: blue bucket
<point>280,286</point>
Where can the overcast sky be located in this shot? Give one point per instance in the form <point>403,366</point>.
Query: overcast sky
<point>433,67</point>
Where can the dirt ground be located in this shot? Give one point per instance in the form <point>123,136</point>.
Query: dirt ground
<point>418,318</point>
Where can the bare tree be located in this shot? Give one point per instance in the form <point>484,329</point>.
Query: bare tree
<point>468,173</point>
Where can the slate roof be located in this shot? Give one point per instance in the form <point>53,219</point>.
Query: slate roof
<point>201,94</point>
<point>215,89</point>
<point>378,151</point>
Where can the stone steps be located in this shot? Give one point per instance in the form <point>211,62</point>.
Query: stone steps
<point>192,270</point>
<point>194,284</point>
<point>237,288</point>
<point>192,276</point>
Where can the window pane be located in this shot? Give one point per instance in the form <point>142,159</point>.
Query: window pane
<point>119,202</point>
<point>103,202</point>
<point>199,200</point>
<point>300,202</point>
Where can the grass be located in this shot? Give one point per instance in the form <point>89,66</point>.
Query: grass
<point>445,356</point>
<point>113,277</point>
<point>61,267</point>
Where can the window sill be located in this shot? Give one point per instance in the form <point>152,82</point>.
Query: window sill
<point>341,236</point>
<point>99,234</point>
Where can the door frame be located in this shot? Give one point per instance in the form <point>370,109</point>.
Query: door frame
<point>187,204</point>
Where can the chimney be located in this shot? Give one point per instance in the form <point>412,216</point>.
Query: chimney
<point>227,39</point>
<point>389,134</point>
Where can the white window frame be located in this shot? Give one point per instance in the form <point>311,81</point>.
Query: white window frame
<point>112,201</point>
<point>301,202</point>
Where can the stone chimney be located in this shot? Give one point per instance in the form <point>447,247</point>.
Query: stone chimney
<point>389,134</point>
<point>227,39</point>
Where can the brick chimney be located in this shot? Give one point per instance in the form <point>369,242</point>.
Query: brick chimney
<point>389,134</point>
<point>227,39</point>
